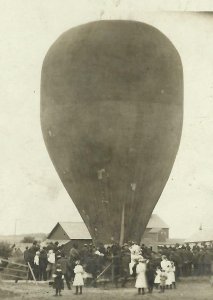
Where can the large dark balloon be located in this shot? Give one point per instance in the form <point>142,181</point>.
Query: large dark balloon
<point>111,115</point>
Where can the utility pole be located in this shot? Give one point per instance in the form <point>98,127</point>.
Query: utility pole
<point>15,230</point>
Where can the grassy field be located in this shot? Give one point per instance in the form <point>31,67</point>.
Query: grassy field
<point>186,289</point>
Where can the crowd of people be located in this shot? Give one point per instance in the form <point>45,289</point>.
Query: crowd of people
<point>195,260</point>
<point>88,263</point>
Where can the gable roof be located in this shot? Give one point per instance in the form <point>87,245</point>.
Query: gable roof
<point>156,222</point>
<point>79,231</point>
<point>74,230</point>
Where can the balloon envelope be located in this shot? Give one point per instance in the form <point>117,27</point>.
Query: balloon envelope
<point>111,116</point>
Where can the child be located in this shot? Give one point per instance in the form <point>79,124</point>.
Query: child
<point>150,275</point>
<point>78,280</point>
<point>163,277</point>
<point>173,274</point>
<point>169,275</point>
<point>157,277</point>
<point>141,283</point>
<point>58,280</point>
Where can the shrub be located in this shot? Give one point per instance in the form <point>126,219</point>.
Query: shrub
<point>28,239</point>
<point>5,250</point>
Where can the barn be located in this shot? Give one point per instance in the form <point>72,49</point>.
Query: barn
<point>157,231</point>
<point>67,233</point>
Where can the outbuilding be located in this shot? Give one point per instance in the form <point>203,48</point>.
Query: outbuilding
<point>68,233</point>
<point>156,230</point>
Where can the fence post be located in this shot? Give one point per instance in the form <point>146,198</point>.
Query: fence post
<point>32,273</point>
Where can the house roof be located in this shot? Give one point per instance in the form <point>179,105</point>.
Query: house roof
<point>75,230</point>
<point>79,231</point>
<point>204,235</point>
<point>156,222</point>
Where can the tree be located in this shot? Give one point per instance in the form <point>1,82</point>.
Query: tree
<point>28,239</point>
<point>5,250</point>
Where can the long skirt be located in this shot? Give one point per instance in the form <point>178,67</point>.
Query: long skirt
<point>141,282</point>
<point>78,280</point>
<point>169,278</point>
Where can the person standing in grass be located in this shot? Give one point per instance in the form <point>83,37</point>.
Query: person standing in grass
<point>173,274</point>
<point>36,265</point>
<point>50,263</point>
<point>163,278</point>
<point>64,262</point>
<point>141,282</point>
<point>150,276</point>
<point>58,280</point>
<point>78,280</point>
<point>157,277</point>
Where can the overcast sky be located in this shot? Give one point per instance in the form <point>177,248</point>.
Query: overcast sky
<point>30,190</point>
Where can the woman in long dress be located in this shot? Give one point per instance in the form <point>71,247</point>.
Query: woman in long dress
<point>141,282</point>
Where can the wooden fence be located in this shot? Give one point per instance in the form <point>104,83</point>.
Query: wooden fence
<point>16,271</point>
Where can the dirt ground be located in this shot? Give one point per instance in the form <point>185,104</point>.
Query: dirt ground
<point>186,289</point>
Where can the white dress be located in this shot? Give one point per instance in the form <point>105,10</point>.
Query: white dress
<point>141,276</point>
<point>78,280</point>
<point>172,274</point>
<point>157,277</point>
<point>134,258</point>
<point>169,275</point>
<point>164,264</point>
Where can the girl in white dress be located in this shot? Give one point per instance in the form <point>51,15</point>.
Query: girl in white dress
<point>173,274</point>
<point>78,280</point>
<point>169,275</point>
<point>157,277</point>
<point>141,282</point>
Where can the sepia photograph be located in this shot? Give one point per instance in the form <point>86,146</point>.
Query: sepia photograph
<point>106,149</point>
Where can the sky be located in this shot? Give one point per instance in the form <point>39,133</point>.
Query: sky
<point>32,198</point>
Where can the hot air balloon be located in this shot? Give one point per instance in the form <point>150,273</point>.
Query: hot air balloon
<point>111,117</point>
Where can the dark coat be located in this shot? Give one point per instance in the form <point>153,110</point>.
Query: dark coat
<point>150,275</point>
<point>58,280</point>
